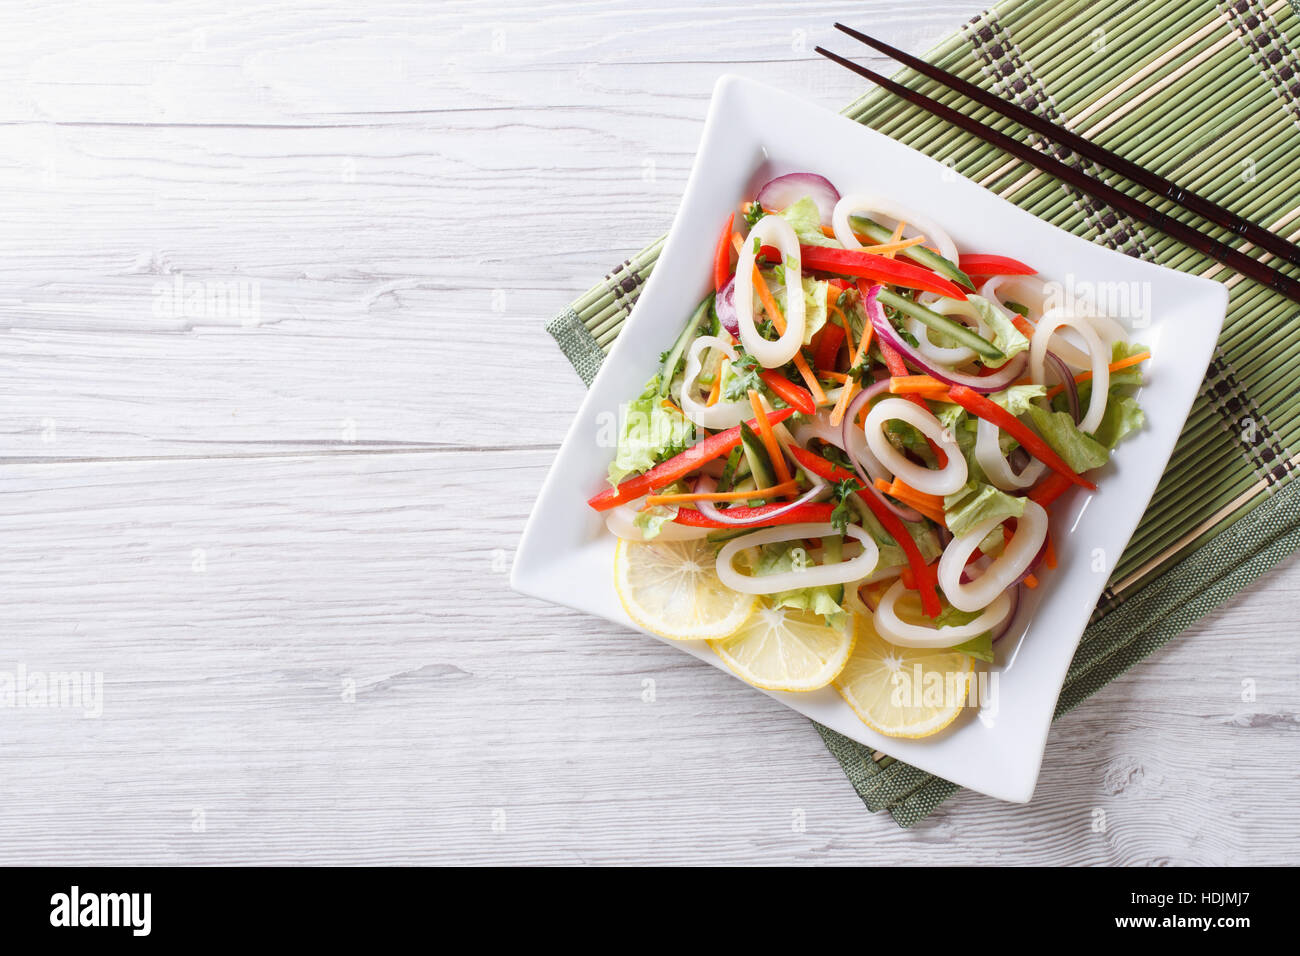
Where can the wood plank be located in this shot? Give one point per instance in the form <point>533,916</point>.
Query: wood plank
<point>225,692</point>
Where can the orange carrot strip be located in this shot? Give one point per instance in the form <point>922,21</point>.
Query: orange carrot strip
<point>896,237</point>
<point>716,392</point>
<point>769,438</point>
<point>810,379</point>
<point>785,488</point>
<point>831,296</point>
<point>867,331</point>
<point>842,406</point>
<point>834,376</point>
<point>1050,555</point>
<point>903,489</point>
<point>891,247</point>
<point>1114,367</point>
<point>1023,325</point>
<point>929,505</point>
<point>829,233</point>
<point>1031,581</point>
<point>909,384</point>
<point>882,248</point>
<point>844,321</point>
<point>778,319</point>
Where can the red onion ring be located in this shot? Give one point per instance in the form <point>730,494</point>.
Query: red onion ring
<point>1033,565</point>
<point>790,188</point>
<point>724,303</point>
<point>984,384</point>
<point>704,485</point>
<point>1018,461</point>
<point>855,406</point>
<point>1067,380</point>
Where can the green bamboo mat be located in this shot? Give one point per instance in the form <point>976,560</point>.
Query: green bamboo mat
<point>1208,95</point>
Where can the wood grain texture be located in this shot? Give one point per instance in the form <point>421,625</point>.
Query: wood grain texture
<point>282,536</point>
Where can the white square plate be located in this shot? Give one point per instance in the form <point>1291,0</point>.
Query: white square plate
<point>753,133</point>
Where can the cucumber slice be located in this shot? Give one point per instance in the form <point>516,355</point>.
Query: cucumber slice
<point>926,257</point>
<point>941,323</point>
<point>833,553</point>
<point>735,471</point>
<point>760,466</point>
<point>673,357</point>
<point>729,469</point>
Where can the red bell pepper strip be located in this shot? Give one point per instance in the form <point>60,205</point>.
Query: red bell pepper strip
<point>793,395</point>
<point>909,579</point>
<point>867,265</point>
<point>666,472</point>
<point>814,512</point>
<point>986,265</point>
<point>722,256</point>
<point>893,361</point>
<point>923,573</point>
<point>829,346</point>
<point>990,411</point>
<point>1049,489</point>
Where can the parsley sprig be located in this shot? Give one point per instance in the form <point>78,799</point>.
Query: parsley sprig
<point>843,512</point>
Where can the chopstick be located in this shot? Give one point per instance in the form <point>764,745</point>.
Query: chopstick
<point>1250,231</point>
<point>1251,268</point>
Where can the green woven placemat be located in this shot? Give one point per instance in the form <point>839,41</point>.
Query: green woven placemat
<point>1208,95</point>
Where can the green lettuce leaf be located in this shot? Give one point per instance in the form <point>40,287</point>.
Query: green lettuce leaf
<point>1009,339</point>
<point>806,219</point>
<point>980,646</point>
<point>652,520</point>
<point>1018,398</point>
<point>1081,452</point>
<point>949,415</point>
<point>780,558</point>
<point>650,433</point>
<point>1122,417</point>
<point>978,502</point>
<point>814,301</point>
<point>1126,376</point>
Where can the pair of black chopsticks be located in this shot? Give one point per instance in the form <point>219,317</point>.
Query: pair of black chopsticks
<point>1228,256</point>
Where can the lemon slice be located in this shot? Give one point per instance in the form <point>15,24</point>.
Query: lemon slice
<point>672,589</point>
<point>786,649</point>
<point>916,703</point>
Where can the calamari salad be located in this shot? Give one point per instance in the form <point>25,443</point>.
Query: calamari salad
<point>860,422</point>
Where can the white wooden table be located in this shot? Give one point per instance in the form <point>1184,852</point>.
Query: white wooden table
<point>279,523</point>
